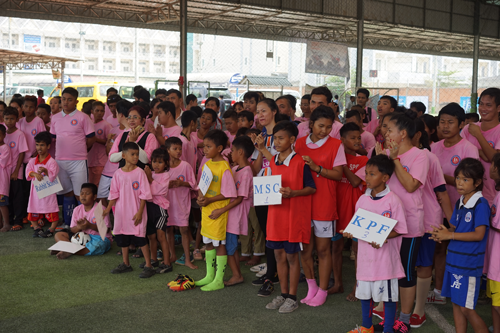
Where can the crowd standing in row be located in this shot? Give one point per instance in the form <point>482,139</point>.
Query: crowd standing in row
<point>436,176</point>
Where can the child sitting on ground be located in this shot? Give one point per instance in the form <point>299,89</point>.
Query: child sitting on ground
<point>84,220</point>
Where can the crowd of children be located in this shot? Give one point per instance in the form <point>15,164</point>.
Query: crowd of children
<point>436,176</point>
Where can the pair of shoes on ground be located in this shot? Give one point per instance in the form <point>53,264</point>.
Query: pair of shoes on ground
<point>283,305</point>
<point>122,268</point>
<point>39,233</point>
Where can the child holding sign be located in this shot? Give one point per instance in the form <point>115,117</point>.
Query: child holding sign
<point>373,283</point>
<point>218,195</point>
<point>289,224</point>
<point>39,167</point>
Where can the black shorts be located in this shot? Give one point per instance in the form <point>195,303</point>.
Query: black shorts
<point>446,223</point>
<point>157,218</point>
<point>409,253</point>
<point>127,240</point>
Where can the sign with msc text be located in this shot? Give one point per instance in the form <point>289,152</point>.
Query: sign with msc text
<point>205,180</point>
<point>46,187</point>
<point>266,190</point>
<point>370,227</point>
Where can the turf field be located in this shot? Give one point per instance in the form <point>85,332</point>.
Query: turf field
<point>39,293</point>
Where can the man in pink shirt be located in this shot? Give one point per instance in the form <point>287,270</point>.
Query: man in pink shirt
<point>175,96</point>
<point>111,106</point>
<point>75,134</point>
<point>107,110</point>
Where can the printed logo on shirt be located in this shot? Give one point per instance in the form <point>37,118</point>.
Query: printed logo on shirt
<point>456,284</point>
<point>12,144</point>
<point>181,177</point>
<point>74,122</point>
<point>215,179</point>
<point>166,137</point>
<point>406,168</point>
<point>468,217</point>
<point>362,146</point>
<point>93,221</point>
<point>493,210</point>
<point>100,131</point>
<point>33,132</point>
<point>238,184</point>
<point>387,213</point>
<point>135,185</point>
<point>353,166</point>
<point>492,144</point>
<point>455,159</point>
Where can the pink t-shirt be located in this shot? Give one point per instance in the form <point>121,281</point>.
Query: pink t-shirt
<point>49,203</point>
<point>149,147</point>
<point>188,150</point>
<point>71,132</point>
<point>129,188</point>
<point>237,221</point>
<point>30,130</point>
<point>199,153</point>
<point>304,129</point>
<point>159,189</point>
<point>450,157</point>
<point>415,162</point>
<point>5,169</point>
<point>433,214</point>
<point>493,138</point>
<point>180,197</point>
<point>335,133</point>
<point>107,111</point>
<point>372,125</point>
<point>112,121</point>
<point>230,137</point>
<point>97,154</point>
<point>370,260</point>
<point>80,213</point>
<point>52,149</point>
<point>17,144</point>
<point>110,168</point>
<point>367,140</point>
<point>171,131</point>
<point>491,262</point>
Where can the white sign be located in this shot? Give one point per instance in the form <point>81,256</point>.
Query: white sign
<point>370,227</point>
<point>266,190</point>
<point>46,187</point>
<point>99,221</point>
<point>32,43</point>
<point>205,179</point>
<point>66,247</point>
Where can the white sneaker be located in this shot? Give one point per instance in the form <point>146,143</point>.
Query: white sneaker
<point>262,272</point>
<point>289,306</point>
<point>258,268</point>
<point>433,298</point>
<point>276,303</point>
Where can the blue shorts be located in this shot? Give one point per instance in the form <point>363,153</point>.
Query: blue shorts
<point>462,289</point>
<point>340,236</point>
<point>231,243</point>
<point>425,257</point>
<point>97,246</point>
<point>289,248</point>
<point>4,200</point>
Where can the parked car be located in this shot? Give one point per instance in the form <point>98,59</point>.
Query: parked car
<point>23,90</point>
<point>202,93</point>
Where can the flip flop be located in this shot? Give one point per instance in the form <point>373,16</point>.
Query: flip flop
<point>233,284</point>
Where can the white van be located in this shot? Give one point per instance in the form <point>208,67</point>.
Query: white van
<point>23,90</point>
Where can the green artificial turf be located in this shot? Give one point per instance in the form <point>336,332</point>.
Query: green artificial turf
<point>40,293</point>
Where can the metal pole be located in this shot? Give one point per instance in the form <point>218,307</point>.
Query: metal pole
<point>475,60</point>
<point>136,58</point>
<point>183,41</point>
<point>4,82</point>
<point>359,60</point>
<point>63,64</point>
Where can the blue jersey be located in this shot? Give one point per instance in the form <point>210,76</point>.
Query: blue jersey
<point>467,258</point>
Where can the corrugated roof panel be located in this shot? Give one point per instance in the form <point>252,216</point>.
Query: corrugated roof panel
<point>266,81</point>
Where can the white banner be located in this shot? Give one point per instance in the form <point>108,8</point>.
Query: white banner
<point>46,187</point>
<point>205,179</point>
<point>266,190</point>
<point>370,227</point>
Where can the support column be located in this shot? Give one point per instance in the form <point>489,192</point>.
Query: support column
<point>136,59</point>
<point>4,72</point>
<point>183,50</point>
<point>359,60</point>
<point>63,64</point>
<point>475,58</point>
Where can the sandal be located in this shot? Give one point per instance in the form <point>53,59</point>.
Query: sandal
<point>138,253</point>
<point>197,255</point>
<point>16,227</point>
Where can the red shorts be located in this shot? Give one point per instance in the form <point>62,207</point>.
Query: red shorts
<point>51,217</point>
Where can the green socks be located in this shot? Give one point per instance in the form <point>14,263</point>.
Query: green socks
<point>210,259</point>
<point>218,282</point>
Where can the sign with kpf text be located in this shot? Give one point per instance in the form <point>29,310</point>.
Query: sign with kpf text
<point>205,179</point>
<point>266,190</point>
<point>370,227</point>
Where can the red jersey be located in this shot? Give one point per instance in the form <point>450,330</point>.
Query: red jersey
<point>347,194</point>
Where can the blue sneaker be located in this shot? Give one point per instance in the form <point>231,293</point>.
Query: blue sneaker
<point>182,260</point>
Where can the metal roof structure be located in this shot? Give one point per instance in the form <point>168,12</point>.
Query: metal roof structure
<point>443,27</point>
<point>12,59</point>
<point>266,81</point>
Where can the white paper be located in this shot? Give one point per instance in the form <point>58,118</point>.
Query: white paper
<point>46,188</point>
<point>66,247</point>
<point>266,190</point>
<point>205,179</point>
<point>156,122</point>
<point>370,227</point>
<point>99,221</point>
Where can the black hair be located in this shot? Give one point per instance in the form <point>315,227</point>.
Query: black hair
<point>11,111</point>
<point>471,168</point>
<point>472,116</point>
<point>392,100</point>
<point>44,137</point>
<point>364,92</point>
<point>216,100</point>
<point>17,96</point>
<point>241,131</point>
<point>111,89</point>
<point>212,114</point>
<point>130,146</point>
<point>322,111</point>
<point>39,92</point>
<point>432,124</point>
<point>424,137</point>
<point>273,106</point>
<point>238,103</point>
<point>3,129</point>
<point>123,107</point>
<point>291,100</point>
<point>58,98</point>
<point>246,114</point>
<point>383,163</point>
<point>113,99</point>
<point>196,109</point>
<point>143,113</point>
<point>218,137</point>
<point>419,106</point>
<point>281,117</point>
<point>191,98</point>
<point>336,96</point>
<point>161,154</point>
<point>30,98</point>
<point>353,113</point>
<point>403,122</point>
<point>91,186</point>
<point>87,107</point>
<point>168,107</point>
<point>245,143</point>
<point>307,96</point>
<point>492,92</point>
<point>323,91</point>
<point>174,91</point>
<point>495,161</point>
<point>145,106</point>
<point>255,131</point>
<point>173,140</point>
<point>454,110</point>
<point>252,94</point>
<point>44,106</point>
<point>138,87</point>
<point>97,103</point>
<point>287,126</point>
<point>154,101</point>
<point>2,103</point>
<point>161,91</point>
<point>143,94</point>
<point>70,90</point>
<point>187,117</point>
<point>349,127</point>
<point>230,113</point>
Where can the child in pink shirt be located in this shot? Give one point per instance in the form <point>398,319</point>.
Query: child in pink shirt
<point>129,192</point>
<point>167,126</point>
<point>5,161</point>
<point>112,118</point>
<point>16,141</point>
<point>189,150</point>
<point>231,121</point>
<point>97,155</point>
<point>367,139</point>
<point>373,283</point>
<point>84,220</point>
<point>39,167</point>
